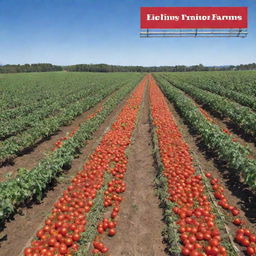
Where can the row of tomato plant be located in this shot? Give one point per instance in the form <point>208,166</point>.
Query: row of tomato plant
<point>25,110</point>
<point>242,117</point>
<point>233,154</point>
<point>50,108</point>
<point>26,93</point>
<point>12,146</point>
<point>188,212</point>
<point>72,220</point>
<point>19,91</point>
<point>225,87</point>
<point>225,130</point>
<point>30,184</point>
<point>241,81</point>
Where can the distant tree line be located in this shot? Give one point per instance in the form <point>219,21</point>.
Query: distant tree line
<point>179,68</point>
<point>116,68</point>
<point>251,66</point>
<point>40,67</point>
<point>45,67</point>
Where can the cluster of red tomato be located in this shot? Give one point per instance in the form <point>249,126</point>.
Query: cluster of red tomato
<point>58,144</point>
<point>67,221</point>
<point>250,241</point>
<point>218,194</point>
<point>246,238</point>
<point>112,198</point>
<point>198,232</point>
<point>117,141</point>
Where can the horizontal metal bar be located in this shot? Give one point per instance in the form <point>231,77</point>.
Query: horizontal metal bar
<point>198,32</point>
<point>242,36</point>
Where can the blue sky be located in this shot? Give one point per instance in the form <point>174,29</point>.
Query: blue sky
<point>107,31</point>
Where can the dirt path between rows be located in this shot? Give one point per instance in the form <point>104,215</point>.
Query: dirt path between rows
<point>32,156</point>
<point>18,233</point>
<point>139,223</point>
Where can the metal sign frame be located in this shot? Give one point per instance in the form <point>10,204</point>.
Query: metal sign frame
<point>154,33</point>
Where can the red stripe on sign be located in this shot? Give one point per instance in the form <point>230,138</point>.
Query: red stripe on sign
<point>193,17</point>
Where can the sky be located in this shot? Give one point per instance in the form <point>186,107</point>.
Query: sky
<point>66,32</point>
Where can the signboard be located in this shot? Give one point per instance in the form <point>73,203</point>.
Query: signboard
<point>194,17</point>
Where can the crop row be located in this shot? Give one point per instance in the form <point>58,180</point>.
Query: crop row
<point>242,117</point>
<point>191,220</point>
<point>48,109</point>
<point>239,81</point>
<point>17,90</point>
<point>24,110</point>
<point>29,184</point>
<point>233,154</point>
<point>71,225</point>
<point>206,83</point>
<point>44,128</point>
<point>40,89</point>
<point>14,145</point>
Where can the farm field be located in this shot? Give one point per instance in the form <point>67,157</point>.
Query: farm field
<point>128,164</point>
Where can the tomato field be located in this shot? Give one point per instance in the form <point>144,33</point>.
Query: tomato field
<point>128,163</point>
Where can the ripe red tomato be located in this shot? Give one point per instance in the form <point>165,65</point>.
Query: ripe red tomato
<point>245,242</point>
<point>68,241</point>
<point>214,242</point>
<point>250,250</point>
<point>237,221</point>
<point>235,212</point>
<point>28,251</point>
<point>63,249</point>
<point>104,250</point>
<point>111,232</point>
<point>52,241</point>
<point>100,229</point>
<point>111,224</point>
<point>252,238</point>
<point>199,236</point>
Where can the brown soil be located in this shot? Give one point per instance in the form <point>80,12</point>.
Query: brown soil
<point>139,224</point>
<point>31,157</point>
<point>17,234</point>
<point>236,193</point>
